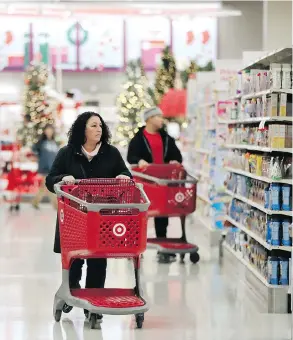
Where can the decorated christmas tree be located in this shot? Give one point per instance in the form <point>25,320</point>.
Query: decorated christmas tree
<point>165,76</point>
<point>37,112</point>
<point>131,102</point>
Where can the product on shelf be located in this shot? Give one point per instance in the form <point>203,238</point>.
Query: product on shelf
<point>276,197</point>
<point>276,168</point>
<point>274,136</point>
<point>274,269</point>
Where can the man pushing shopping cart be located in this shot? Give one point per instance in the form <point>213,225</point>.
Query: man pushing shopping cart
<point>156,162</point>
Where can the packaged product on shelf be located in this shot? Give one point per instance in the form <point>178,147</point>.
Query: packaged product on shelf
<point>272,103</point>
<point>245,82</point>
<point>259,108</point>
<point>275,169</point>
<point>275,196</point>
<point>266,166</point>
<point>267,202</point>
<point>282,136</point>
<point>286,76</point>
<point>273,270</point>
<point>273,232</point>
<point>286,239</point>
<point>284,271</point>
<point>252,164</point>
<point>286,166</point>
<point>286,197</point>
<point>259,165</point>
<point>276,78</point>
<point>288,136</point>
<point>283,105</point>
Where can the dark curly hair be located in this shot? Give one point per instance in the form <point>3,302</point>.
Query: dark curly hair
<point>76,134</point>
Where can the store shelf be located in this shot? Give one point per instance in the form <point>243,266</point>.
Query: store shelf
<point>206,222</point>
<point>258,148</point>
<point>252,269</point>
<point>260,178</point>
<point>209,104</point>
<point>202,173</point>
<point>204,198</point>
<point>282,55</point>
<point>257,120</point>
<point>203,151</point>
<point>256,237</point>
<point>265,93</point>
<point>259,206</point>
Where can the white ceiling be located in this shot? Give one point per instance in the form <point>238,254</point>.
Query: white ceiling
<point>76,8</point>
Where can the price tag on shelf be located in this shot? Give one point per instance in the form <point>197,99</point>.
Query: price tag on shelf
<point>262,123</point>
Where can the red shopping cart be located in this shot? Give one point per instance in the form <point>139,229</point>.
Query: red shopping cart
<point>21,180</point>
<point>102,218</point>
<point>172,193</point>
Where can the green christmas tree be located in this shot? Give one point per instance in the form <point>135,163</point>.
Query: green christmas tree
<point>131,102</point>
<point>165,76</point>
<point>37,112</point>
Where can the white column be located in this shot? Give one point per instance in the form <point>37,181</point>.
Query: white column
<point>277,24</point>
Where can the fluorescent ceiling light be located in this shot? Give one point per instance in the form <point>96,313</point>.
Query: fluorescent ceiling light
<point>174,6</point>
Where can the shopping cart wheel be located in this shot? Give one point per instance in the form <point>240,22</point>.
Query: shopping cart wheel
<point>17,207</point>
<point>57,315</point>
<point>93,320</point>
<point>194,257</point>
<point>182,256</point>
<point>139,318</point>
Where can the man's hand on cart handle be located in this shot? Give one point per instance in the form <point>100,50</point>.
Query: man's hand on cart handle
<point>142,164</point>
<point>174,162</point>
<point>68,179</point>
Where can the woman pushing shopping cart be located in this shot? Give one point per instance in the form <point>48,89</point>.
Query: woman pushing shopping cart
<point>97,219</point>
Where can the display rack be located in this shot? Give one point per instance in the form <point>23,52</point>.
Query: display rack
<point>205,154</point>
<point>259,163</point>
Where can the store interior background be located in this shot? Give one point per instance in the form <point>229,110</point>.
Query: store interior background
<point>257,26</point>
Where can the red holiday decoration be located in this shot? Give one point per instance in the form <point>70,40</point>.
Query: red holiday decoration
<point>8,37</point>
<point>205,37</point>
<point>173,103</point>
<point>189,37</point>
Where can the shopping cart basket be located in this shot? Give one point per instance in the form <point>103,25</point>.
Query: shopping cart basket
<point>172,193</point>
<point>102,218</point>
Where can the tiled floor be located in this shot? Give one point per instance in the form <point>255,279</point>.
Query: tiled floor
<point>188,302</point>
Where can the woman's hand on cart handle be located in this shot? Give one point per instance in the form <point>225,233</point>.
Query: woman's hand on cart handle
<point>174,162</point>
<point>142,164</point>
<point>122,177</point>
<point>68,179</point>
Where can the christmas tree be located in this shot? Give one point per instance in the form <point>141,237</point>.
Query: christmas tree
<point>185,74</point>
<point>165,76</point>
<point>37,112</point>
<point>133,100</point>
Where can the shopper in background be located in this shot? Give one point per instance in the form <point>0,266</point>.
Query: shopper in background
<point>152,144</point>
<point>87,155</point>
<point>46,150</point>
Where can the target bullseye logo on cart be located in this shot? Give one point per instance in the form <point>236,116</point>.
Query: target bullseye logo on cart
<point>179,197</point>
<point>62,215</point>
<point>119,230</point>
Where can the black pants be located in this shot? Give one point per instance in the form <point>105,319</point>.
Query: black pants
<point>161,224</point>
<point>95,276</point>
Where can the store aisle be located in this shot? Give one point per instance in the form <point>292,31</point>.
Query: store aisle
<point>189,302</point>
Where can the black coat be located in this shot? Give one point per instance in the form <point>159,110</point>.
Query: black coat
<point>108,163</point>
<point>139,148</point>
